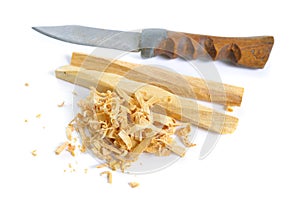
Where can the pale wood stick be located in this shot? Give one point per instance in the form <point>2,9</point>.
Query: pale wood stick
<point>186,86</point>
<point>180,108</point>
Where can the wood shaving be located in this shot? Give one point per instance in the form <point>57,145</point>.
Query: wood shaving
<point>69,131</point>
<point>26,84</point>
<point>101,165</point>
<point>61,147</point>
<point>34,153</point>
<point>183,133</point>
<point>82,148</point>
<point>61,104</point>
<point>133,184</point>
<point>71,148</point>
<point>109,176</point>
<point>118,128</point>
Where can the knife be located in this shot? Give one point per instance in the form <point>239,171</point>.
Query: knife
<point>251,52</point>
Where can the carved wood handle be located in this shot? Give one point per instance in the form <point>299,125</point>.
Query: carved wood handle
<point>251,52</point>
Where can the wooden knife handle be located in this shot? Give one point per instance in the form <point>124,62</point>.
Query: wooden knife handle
<point>251,52</point>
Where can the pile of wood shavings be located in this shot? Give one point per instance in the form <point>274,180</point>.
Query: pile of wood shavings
<point>117,128</point>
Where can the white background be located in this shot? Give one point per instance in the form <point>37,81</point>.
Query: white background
<point>261,159</point>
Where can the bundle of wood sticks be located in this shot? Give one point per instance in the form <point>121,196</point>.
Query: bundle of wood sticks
<point>177,94</point>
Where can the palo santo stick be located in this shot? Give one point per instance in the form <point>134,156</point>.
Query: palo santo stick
<point>174,106</point>
<point>186,86</point>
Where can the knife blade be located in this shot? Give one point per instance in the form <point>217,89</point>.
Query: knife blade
<point>251,52</point>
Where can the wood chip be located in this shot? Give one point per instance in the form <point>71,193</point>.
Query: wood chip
<point>71,148</point>
<point>133,184</point>
<point>38,116</point>
<point>26,84</point>
<point>82,148</point>
<point>69,131</point>
<point>101,165</point>
<point>34,152</point>
<point>61,147</point>
<point>109,176</point>
<point>61,104</point>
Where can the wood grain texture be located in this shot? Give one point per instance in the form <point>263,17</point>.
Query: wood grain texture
<point>251,52</point>
<point>185,86</point>
<point>180,108</point>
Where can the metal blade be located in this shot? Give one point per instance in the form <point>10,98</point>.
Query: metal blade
<point>126,41</point>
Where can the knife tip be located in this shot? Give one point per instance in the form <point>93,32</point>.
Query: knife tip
<point>36,28</point>
<point>41,29</point>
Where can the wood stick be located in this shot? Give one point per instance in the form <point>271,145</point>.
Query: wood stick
<point>180,108</point>
<point>185,86</point>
